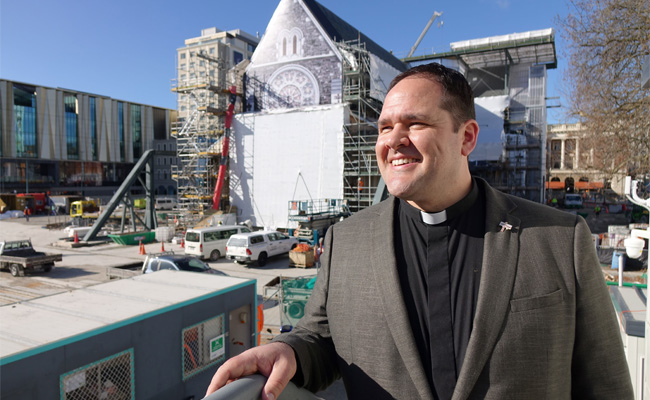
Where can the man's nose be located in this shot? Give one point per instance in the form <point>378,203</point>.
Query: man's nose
<point>397,138</point>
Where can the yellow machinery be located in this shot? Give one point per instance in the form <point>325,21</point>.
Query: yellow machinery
<point>84,209</point>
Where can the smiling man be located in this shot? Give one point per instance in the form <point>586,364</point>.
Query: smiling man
<point>448,289</point>
<point>423,143</point>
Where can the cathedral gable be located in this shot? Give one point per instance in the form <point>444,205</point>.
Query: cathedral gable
<point>295,64</point>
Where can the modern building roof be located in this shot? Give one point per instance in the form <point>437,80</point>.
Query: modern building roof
<point>339,30</point>
<point>534,47</point>
<point>36,325</point>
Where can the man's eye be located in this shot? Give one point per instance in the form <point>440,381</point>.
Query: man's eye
<point>384,129</point>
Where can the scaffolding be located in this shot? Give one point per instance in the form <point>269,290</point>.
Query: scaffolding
<point>360,172</point>
<point>514,65</point>
<point>524,126</point>
<point>202,101</point>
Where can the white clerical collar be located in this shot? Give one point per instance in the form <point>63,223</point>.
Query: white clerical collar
<point>434,218</point>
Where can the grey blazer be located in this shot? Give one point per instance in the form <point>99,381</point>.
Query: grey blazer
<point>544,327</point>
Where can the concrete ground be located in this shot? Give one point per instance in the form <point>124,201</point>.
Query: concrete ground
<point>87,265</point>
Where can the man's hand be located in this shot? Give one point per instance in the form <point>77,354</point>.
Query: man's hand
<point>276,361</point>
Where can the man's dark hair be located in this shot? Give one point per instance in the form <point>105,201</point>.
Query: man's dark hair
<point>457,95</point>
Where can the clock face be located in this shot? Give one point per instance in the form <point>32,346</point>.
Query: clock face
<point>292,86</point>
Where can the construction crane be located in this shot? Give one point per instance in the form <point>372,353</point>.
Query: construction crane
<point>436,14</point>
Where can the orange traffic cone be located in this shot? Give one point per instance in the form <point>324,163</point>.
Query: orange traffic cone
<point>175,220</point>
<point>182,243</point>
<point>76,237</point>
<point>162,246</point>
<point>142,252</point>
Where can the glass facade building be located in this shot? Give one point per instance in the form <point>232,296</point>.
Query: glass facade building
<point>120,128</point>
<point>136,130</point>
<point>71,126</point>
<point>24,121</point>
<point>92,103</point>
<point>65,141</point>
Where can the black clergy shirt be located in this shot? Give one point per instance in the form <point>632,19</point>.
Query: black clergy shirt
<point>439,265</point>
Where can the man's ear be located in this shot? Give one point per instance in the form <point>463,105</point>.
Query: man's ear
<point>469,130</point>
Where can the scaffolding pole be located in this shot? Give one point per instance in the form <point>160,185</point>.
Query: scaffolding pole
<point>360,172</point>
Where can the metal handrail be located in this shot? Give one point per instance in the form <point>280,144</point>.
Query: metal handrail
<point>250,388</point>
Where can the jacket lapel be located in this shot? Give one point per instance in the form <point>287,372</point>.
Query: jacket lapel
<point>387,279</point>
<point>500,254</point>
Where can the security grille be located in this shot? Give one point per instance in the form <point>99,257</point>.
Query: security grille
<point>107,379</point>
<point>203,345</point>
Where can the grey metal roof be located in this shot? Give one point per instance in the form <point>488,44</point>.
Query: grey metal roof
<point>339,30</point>
<point>537,47</point>
<point>51,321</point>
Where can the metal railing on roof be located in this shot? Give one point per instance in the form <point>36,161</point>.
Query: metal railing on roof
<point>250,388</point>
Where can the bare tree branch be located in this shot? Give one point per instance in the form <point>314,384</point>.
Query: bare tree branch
<point>607,41</point>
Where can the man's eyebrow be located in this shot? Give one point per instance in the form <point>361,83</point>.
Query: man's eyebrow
<point>405,117</point>
<point>414,117</point>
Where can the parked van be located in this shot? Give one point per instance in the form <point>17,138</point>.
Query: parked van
<point>210,242</point>
<point>572,201</point>
<point>165,203</point>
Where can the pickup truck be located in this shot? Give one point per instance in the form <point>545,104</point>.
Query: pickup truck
<point>19,255</point>
<point>258,246</point>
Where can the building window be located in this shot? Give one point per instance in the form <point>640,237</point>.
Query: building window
<point>182,56</point>
<point>120,128</point>
<point>192,54</point>
<point>93,127</point>
<point>211,50</point>
<point>237,57</point>
<point>110,378</point>
<point>251,47</point>
<point>204,345</point>
<point>25,120</point>
<point>71,126</point>
<point>183,66</point>
<point>136,130</point>
<point>290,43</point>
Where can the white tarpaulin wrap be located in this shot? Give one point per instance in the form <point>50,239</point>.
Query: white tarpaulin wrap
<point>271,148</point>
<point>381,73</point>
<point>489,115</point>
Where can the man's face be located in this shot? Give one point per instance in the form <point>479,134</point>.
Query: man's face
<point>421,157</point>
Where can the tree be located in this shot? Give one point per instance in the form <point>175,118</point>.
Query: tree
<point>607,41</point>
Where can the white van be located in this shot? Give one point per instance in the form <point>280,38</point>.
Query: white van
<point>210,242</point>
<point>165,203</point>
<point>572,201</point>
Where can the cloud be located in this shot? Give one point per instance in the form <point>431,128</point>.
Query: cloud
<point>503,3</point>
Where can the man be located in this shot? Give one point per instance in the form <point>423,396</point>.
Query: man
<point>449,289</point>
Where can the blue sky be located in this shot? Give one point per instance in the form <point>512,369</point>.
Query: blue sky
<point>126,49</point>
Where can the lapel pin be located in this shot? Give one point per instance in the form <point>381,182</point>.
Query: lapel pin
<point>505,226</point>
